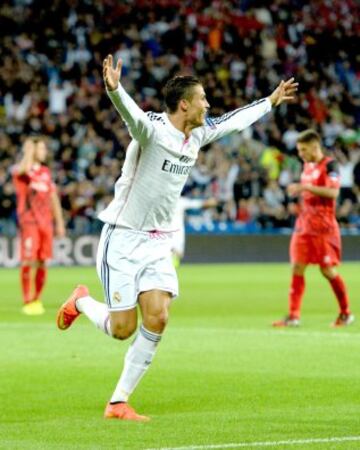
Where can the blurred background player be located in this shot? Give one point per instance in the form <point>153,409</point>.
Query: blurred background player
<point>316,238</point>
<point>37,206</point>
<point>178,239</point>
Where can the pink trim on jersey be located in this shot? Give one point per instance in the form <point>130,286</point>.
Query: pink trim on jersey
<point>157,234</point>
<point>185,141</point>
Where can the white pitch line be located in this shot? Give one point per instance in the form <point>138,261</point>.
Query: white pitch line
<point>264,444</point>
<point>332,333</point>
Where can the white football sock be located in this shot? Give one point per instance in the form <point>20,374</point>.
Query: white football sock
<point>137,360</point>
<point>95,311</point>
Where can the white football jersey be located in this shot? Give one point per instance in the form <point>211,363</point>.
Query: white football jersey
<point>159,160</point>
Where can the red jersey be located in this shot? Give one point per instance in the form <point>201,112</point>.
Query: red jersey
<point>317,214</point>
<point>33,194</point>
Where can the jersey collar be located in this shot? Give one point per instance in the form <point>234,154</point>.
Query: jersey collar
<point>173,129</point>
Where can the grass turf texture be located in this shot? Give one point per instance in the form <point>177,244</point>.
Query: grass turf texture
<point>222,374</point>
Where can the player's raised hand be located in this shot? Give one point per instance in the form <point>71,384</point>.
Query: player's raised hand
<point>28,147</point>
<point>284,92</point>
<point>28,155</point>
<point>111,76</point>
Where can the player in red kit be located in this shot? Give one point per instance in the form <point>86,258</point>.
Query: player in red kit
<point>316,238</point>
<point>37,206</point>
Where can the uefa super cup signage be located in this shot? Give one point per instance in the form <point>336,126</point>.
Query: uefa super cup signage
<point>68,251</point>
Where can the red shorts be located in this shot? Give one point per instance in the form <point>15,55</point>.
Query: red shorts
<point>35,243</point>
<point>322,250</point>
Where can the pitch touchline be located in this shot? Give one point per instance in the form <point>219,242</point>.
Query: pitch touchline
<point>263,444</point>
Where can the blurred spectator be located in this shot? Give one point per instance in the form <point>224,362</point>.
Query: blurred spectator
<point>356,175</point>
<point>346,167</point>
<point>58,95</point>
<point>7,208</point>
<point>274,212</point>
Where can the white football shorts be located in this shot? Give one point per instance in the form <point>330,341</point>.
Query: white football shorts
<point>130,262</point>
<point>178,242</point>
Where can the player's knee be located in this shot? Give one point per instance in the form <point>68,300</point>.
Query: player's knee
<point>156,321</point>
<point>121,332</point>
<point>27,263</point>
<point>298,269</point>
<point>328,272</point>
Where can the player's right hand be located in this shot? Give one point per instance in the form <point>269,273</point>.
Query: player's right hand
<point>111,76</point>
<point>60,230</point>
<point>294,189</point>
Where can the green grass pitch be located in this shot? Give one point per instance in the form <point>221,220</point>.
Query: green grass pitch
<point>221,376</point>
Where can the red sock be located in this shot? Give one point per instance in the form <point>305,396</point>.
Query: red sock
<point>40,279</point>
<point>339,288</point>
<point>296,293</point>
<point>25,273</point>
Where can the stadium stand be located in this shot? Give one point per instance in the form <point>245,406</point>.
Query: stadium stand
<point>51,83</point>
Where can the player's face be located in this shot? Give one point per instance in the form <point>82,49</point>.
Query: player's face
<point>40,152</point>
<point>308,151</point>
<point>197,107</point>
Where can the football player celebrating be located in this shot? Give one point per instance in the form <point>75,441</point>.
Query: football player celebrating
<point>134,256</point>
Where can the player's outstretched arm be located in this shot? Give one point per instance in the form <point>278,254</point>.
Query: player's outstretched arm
<point>138,123</point>
<point>27,159</point>
<point>243,117</point>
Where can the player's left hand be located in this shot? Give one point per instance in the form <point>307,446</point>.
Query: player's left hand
<point>284,92</point>
<point>294,189</point>
<point>28,147</point>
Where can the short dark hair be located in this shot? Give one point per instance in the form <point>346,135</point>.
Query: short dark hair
<point>178,88</point>
<point>307,136</point>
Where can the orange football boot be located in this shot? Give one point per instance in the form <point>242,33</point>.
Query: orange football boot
<point>68,312</point>
<point>123,411</point>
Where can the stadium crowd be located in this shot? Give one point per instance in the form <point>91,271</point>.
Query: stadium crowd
<point>51,84</point>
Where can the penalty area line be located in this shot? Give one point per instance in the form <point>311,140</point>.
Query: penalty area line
<point>264,444</point>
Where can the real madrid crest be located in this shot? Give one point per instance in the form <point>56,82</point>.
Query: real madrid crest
<point>116,297</point>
